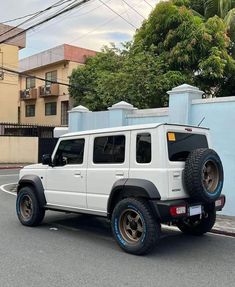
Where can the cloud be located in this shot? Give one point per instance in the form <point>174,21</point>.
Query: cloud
<point>91,26</point>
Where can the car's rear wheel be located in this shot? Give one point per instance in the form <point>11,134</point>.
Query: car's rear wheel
<point>134,226</point>
<point>198,225</point>
<point>28,209</point>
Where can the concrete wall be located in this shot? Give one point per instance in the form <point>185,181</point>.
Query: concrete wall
<point>220,117</point>
<point>9,84</point>
<point>187,107</point>
<point>18,149</point>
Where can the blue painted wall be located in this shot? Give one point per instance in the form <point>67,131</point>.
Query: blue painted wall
<point>185,107</point>
<point>220,118</point>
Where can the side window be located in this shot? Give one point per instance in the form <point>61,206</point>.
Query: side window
<point>70,152</point>
<point>109,149</point>
<point>143,148</point>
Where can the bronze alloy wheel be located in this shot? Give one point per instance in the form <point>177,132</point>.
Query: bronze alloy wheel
<point>26,207</point>
<point>210,176</point>
<point>131,226</point>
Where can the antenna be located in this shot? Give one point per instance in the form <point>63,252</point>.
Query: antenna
<point>201,121</point>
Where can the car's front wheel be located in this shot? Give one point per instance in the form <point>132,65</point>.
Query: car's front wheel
<point>134,226</point>
<point>28,209</point>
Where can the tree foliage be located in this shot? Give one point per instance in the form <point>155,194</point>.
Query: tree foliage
<point>175,45</point>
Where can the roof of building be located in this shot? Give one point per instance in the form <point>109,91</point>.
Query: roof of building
<point>18,41</point>
<point>55,55</point>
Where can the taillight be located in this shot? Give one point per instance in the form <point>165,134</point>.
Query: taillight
<point>219,203</point>
<point>178,210</point>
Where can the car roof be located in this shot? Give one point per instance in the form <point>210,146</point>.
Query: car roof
<point>122,128</point>
<point>114,129</point>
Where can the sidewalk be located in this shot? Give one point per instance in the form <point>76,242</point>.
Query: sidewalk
<point>224,225</point>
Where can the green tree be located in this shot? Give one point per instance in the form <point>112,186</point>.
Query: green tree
<point>224,9</point>
<point>174,46</point>
<point>196,47</point>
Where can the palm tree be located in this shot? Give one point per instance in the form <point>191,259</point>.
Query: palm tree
<point>225,9</point>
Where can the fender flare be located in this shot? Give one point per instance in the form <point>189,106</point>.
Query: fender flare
<point>132,187</point>
<point>36,183</point>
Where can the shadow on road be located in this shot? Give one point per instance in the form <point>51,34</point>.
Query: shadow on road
<point>172,242</point>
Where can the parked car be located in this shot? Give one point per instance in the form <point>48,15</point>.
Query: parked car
<point>139,177</point>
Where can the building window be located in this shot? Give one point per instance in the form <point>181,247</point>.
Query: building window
<point>64,113</point>
<point>50,109</point>
<point>51,77</point>
<point>30,111</point>
<point>143,148</point>
<point>30,83</point>
<point>109,149</point>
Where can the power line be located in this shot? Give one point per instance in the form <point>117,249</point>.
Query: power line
<point>46,20</point>
<point>148,3</point>
<point>133,9</point>
<point>95,29</point>
<point>37,14</point>
<point>106,5</point>
<point>38,78</point>
<point>28,15</point>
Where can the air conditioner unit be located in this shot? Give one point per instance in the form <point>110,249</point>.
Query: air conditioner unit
<point>1,75</point>
<point>47,89</point>
<point>27,92</point>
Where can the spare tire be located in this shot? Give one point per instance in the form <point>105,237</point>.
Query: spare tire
<point>203,175</point>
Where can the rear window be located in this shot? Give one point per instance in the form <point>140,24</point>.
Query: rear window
<point>181,144</point>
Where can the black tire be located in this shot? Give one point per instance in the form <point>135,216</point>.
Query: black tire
<point>203,175</point>
<point>134,226</point>
<point>28,209</point>
<point>196,225</point>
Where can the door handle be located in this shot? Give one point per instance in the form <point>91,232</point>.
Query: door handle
<point>120,173</point>
<point>77,174</point>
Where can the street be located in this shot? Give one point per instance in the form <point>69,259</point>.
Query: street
<point>78,250</point>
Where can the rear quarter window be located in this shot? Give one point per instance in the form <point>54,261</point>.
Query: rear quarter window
<point>181,144</point>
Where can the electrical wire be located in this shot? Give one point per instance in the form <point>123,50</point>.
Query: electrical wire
<point>38,78</point>
<point>134,9</point>
<point>37,14</point>
<point>95,29</point>
<point>46,20</point>
<point>110,8</point>
<point>28,15</point>
<point>148,3</point>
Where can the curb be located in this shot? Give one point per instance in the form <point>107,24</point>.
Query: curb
<point>11,167</point>
<point>223,232</point>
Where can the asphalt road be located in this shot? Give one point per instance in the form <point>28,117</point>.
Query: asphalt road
<point>76,250</point>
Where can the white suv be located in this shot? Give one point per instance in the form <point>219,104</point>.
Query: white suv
<point>137,176</point>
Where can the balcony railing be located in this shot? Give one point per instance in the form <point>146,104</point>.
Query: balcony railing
<point>28,94</point>
<point>49,91</point>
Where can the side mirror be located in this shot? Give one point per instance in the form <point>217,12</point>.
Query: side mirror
<point>46,159</point>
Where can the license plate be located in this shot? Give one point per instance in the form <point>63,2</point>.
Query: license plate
<point>195,210</point>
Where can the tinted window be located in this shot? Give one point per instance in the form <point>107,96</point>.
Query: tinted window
<point>143,148</point>
<point>70,152</point>
<point>181,144</point>
<point>110,149</point>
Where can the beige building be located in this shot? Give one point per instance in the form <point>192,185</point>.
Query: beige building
<point>43,102</point>
<point>9,81</point>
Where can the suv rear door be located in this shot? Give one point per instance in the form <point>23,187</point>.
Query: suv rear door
<point>108,161</point>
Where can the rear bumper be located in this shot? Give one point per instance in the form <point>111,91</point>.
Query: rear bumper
<point>164,208</point>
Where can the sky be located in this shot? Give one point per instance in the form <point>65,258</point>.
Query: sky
<point>91,26</point>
